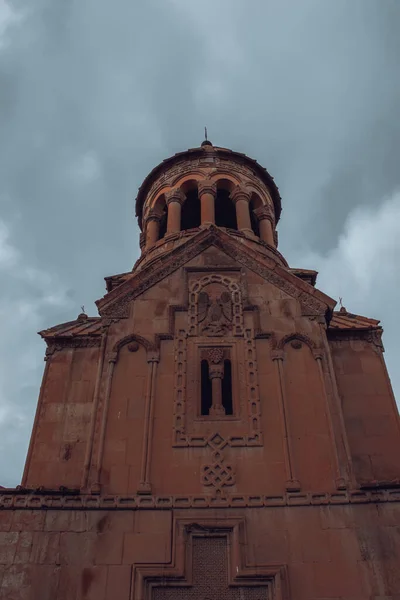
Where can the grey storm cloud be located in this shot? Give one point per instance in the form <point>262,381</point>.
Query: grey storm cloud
<point>93,94</point>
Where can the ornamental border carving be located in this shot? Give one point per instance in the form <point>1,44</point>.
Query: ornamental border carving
<point>26,499</point>
<point>249,400</point>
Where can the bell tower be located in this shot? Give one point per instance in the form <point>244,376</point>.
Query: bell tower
<point>219,430</point>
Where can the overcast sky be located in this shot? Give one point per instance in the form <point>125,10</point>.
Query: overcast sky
<point>94,93</point>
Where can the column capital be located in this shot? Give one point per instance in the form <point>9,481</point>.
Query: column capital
<point>264,212</point>
<point>240,192</point>
<point>216,372</point>
<point>277,355</point>
<point>175,195</point>
<point>154,215</point>
<point>206,186</point>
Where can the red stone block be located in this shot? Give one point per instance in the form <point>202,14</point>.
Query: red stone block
<point>77,548</point>
<point>146,547</point>
<point>92,583</point>
<point>8,546</point>
<point>108,548</point>
<point>153,521</point>
<point>6,517</point>
<point>118,582</point>
<point>28,520</point>
<point>45,548</point>
<point>103,521</point>
<point>24,547</point>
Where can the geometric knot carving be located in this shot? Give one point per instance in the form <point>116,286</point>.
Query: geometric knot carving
<point>215,355</point>
<point>219,473</point>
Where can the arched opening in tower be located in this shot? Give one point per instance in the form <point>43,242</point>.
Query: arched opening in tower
<point>225,212</point>
<point>254,221</point>
<point>163,223</point>
<point>191,211</point>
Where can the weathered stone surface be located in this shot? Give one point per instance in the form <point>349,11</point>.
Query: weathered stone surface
<point>218,403</point>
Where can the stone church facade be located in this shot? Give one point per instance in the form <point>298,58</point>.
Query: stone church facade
<point>219,431</point>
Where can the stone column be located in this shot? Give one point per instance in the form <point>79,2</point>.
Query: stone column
<point>265,219</point>
<point>216,375</point>
<point>241,197</point>
<point>207,193</point>
<point>152,229</point>
<point>175,198</point>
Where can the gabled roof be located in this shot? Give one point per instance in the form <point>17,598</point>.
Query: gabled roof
<point>82,326</point>
<point>344,320</point>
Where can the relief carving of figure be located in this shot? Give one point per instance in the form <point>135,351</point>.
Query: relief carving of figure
<point>215,311</point>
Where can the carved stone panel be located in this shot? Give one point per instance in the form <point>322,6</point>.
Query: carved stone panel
<point>215,306</point>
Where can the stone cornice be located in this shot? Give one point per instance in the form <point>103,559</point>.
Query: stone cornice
<point>52,499</point>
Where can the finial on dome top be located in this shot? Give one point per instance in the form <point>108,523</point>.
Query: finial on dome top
<point>342,308</point>
<point>206,140</point>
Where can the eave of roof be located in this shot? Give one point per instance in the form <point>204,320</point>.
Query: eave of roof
<point>344,320</point>
<point>91,326</point>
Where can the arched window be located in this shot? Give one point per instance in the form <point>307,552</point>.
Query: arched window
<point>191,211</point>
<point>225,212</point>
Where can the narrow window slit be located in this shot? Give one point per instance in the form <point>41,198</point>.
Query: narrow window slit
<point>206,389</point>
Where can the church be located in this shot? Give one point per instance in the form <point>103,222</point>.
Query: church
<point>219,431</point>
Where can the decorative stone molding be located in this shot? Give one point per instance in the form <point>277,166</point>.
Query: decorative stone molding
<point>265,212</point>
<point>240,192</point>
<point>175,195</point>
<point>133,338</point>
<point>217,474</point>
<point>206,186</point>
<point>154,215</point>
<point>38,499</point>
<point>295,337</point>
